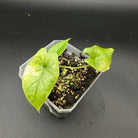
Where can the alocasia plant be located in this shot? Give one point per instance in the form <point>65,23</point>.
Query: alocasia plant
<point>42,71</point>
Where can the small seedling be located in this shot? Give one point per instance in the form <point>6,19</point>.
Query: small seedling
<point>42,71</point>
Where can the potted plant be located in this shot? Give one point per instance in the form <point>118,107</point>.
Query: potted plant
<point>60,75</point>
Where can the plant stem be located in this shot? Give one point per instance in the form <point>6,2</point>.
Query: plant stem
<point>74,67</point>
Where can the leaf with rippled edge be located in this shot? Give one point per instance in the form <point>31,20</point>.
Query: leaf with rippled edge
<point>99,58</point>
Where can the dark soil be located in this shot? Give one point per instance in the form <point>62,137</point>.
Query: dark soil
<point>71,83</point>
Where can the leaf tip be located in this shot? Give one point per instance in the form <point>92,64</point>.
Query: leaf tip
<point>68,39</point>
<point>84,50</point>
<point>38,108</point>
<point>38,111</point>
<point>112,49</point>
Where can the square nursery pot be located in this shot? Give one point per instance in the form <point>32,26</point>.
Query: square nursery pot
<point>60,113</point>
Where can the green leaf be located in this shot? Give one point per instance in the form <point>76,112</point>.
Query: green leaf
<point>40,76</point>
<point>59,47</point>
<point>99,58</point>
